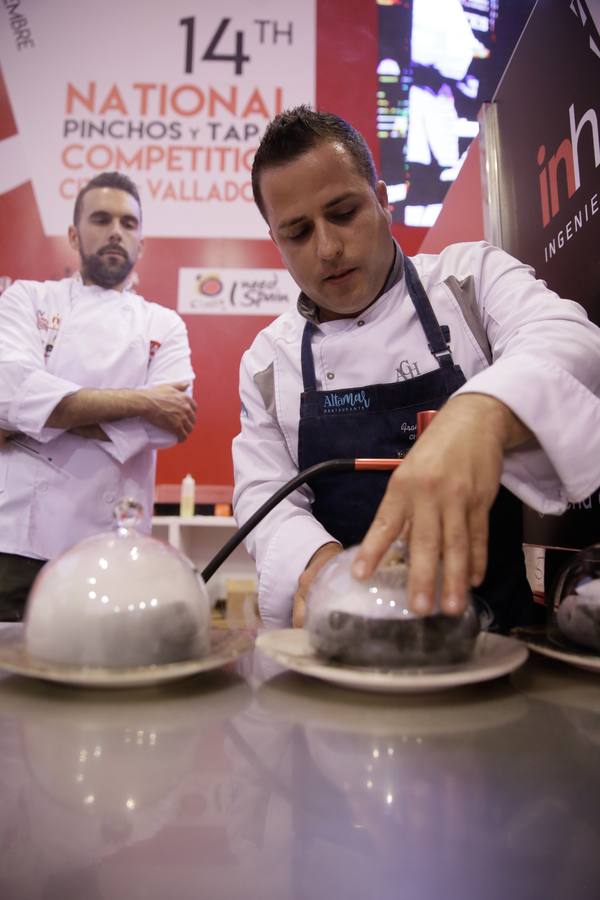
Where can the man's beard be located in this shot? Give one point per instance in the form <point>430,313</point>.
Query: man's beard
<point>98,270</point>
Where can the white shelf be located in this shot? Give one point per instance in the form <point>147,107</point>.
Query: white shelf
<point>200,538</point>
<point>196,521</point>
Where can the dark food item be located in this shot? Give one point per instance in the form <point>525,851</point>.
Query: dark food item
<point>355,640</point>
<point>167,634</point>
<point>578,618</point>
<point>369,623</point>
<point>576,612</point>
<point>118,599</point>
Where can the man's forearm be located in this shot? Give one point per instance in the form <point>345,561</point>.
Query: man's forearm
<point>90,406</point>
<point>493,415</point>
<point>166,406</point>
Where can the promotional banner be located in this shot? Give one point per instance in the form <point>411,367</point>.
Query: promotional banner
<point>175,95</point>
<point>543,152</point>
<point>548,145</point>
<point>236,292</point>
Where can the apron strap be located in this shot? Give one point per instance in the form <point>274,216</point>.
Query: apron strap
<point>309,378</point>
<point>427,317</point>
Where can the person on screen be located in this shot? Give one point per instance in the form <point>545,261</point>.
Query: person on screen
<point>442,48</point>
<point>376,337</point>
<point>93,380</point>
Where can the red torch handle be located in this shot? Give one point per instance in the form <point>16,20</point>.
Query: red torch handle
<point>424,419</point>
<point>376,463</point>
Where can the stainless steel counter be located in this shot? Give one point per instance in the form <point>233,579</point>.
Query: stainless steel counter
<point>253,782</point>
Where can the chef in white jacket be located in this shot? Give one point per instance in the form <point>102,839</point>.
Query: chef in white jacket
<point>377,337</point>
<point>93,380</point>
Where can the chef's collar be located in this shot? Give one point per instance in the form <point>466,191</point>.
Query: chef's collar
<point>130,284</point>
<point>309,309</point>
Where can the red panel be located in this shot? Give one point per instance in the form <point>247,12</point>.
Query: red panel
<point>461,218</point>
<point>7,122</point>
<point>25,252</point>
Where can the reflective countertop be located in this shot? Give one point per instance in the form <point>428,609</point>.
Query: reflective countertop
<point>254,782</point>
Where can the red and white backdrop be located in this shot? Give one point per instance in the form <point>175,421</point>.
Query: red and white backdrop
<point>176,96</point>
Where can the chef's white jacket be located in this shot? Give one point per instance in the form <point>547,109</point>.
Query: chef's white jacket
<point>56,337</point>
<point>546,369</point>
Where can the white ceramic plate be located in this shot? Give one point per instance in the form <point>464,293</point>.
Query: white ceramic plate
<point>226,646</point>
<point>492,657</point>
<point>588,661</point>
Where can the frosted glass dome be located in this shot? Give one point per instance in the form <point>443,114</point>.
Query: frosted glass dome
<point>118,599</point>
<point>576,602</point>
<point>369,623</point>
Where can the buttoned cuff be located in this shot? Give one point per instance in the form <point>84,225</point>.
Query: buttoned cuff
<point>127,437</point>
<point>290,549</point>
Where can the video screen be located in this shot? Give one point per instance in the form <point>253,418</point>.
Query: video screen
<point>439,60</point>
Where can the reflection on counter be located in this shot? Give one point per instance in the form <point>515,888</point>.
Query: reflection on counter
<point>431,792</point>
<point>268,785</point>
<point>89,775</point>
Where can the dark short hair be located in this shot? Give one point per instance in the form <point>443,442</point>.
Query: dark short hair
<point>296,131</point>
<point>106,180</point>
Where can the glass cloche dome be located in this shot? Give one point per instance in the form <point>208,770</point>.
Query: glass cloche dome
<point>368,623</point>
<point>118,599</point>
<point>575,613</point>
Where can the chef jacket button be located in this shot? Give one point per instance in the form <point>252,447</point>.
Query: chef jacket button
<point>108,497</point>
<point>360,323</point>
<point>43,487</point>
<point>331,375</point>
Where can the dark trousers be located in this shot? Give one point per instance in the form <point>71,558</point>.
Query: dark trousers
<point>17,574</point>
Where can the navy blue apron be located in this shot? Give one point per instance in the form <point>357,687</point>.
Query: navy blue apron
<point>380,420</point>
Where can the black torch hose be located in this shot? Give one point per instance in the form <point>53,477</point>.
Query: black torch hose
<point>330,465</point>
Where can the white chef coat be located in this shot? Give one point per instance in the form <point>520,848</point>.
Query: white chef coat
<point>56,337</point>
<point>546,369</point>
